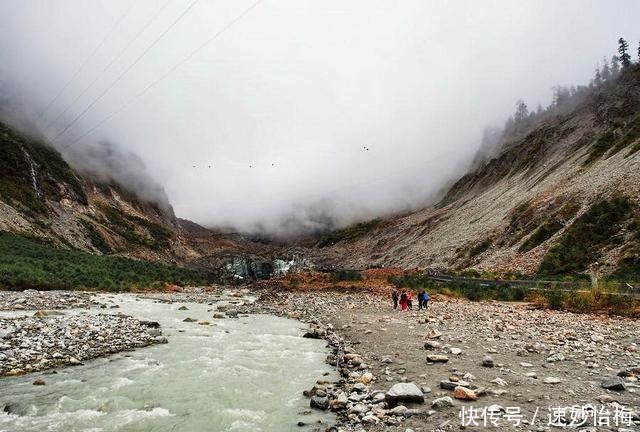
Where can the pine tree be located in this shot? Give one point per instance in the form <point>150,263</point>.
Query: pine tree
<point>638,52</point>
<point>623,47</point>
<point>522,112</point>
<point>615,66</point>
<point>605,73</point>
<point>597,79</point>
<point>560,96</point>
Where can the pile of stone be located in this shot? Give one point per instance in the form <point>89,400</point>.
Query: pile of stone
<point>38,300</point>
<point>47,340</point>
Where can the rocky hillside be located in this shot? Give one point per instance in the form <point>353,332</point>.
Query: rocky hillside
<point>42,197</point>
<point>558,195</point>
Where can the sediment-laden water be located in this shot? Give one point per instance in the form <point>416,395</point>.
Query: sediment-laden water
<point>243,374</point>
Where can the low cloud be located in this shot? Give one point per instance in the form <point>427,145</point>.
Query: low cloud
<point>301,116</point>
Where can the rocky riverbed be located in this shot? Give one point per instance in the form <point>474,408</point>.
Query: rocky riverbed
<point>518,368</point>
<point>529,369</point>
<point>49,337</point>
<point>37,300</point>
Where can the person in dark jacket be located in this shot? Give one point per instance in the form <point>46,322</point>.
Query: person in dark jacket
<point>394,297</point>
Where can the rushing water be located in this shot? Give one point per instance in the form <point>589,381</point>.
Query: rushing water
<point>243,374</point>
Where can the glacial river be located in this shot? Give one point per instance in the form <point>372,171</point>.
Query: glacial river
<point>244,374</point>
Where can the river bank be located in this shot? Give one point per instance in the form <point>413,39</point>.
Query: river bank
<point>241,374</point>
<point>496,356</point>
<point>459,354</point>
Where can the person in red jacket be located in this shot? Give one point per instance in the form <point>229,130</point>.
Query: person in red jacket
<point>410,300</point>
<point>403,300</point>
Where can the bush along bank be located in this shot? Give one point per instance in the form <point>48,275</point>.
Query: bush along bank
<point>544,295</point>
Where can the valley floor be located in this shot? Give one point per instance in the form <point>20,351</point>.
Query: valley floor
<point>526,364</point>
<point>542,360</point>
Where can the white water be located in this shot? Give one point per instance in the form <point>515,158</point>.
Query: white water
<point>243,374</point>
<point>32,171</point>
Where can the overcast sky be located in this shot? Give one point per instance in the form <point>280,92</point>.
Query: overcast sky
<point>283,102</point>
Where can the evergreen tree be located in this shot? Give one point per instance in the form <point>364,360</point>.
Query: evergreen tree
<point>615,66</point>
<point>638,52</point>
<point>605,72</point>
<point>522,112</point>
<point>623,47</point>
<point>560,96</point>
<point>597,79</point>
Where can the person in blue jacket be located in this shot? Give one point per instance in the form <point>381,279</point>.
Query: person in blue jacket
<point>423,300</point>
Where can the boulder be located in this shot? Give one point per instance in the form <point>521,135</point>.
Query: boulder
<point>614,383</point>
<point>404,392</point>
<point>321,403</point>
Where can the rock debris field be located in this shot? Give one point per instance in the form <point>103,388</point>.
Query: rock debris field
<point>419,370</point>
<point>51,336</point>
<point>458,365</point>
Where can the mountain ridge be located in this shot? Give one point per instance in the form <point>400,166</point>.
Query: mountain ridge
<point>584,156</point>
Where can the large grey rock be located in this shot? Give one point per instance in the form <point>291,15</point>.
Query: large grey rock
<point>404,392</point>
<point>614,383</point>
<point>321,403</point>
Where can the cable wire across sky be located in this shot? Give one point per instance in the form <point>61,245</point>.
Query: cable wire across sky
<point>131,66</point>
<point>86,61</point>
<point>239,17</point>
<point>117,57</point>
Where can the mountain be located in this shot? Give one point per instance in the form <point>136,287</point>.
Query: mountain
<point>42,197</point>
<point>559,193</point>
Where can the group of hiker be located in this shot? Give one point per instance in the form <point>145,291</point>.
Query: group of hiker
<point>405,299</point>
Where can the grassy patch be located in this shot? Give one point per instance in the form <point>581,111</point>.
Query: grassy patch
<point>544,297</point>
<point>28,264</point>
<point>601,145</point>
<point>481,247</point>
<point>96,238</point>
<point>346,275</point>
<point>631,134</point>
<point>581,243</point>
<point>551,226</point>
<point>586,302</point>
<point>350,233</point>
<point>467,289</point>
<point>543,233</point>
<point>127,226</point>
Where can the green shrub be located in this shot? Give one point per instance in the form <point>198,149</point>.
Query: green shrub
<point>96,238</point>
<point>581,243</point>
<point>27,264</point>
<point>349,233</point>
<point>125,225</point>
<point>540,235</point>
<point>603,143</point>
<point>481,247</point>
<point>346,275</point>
